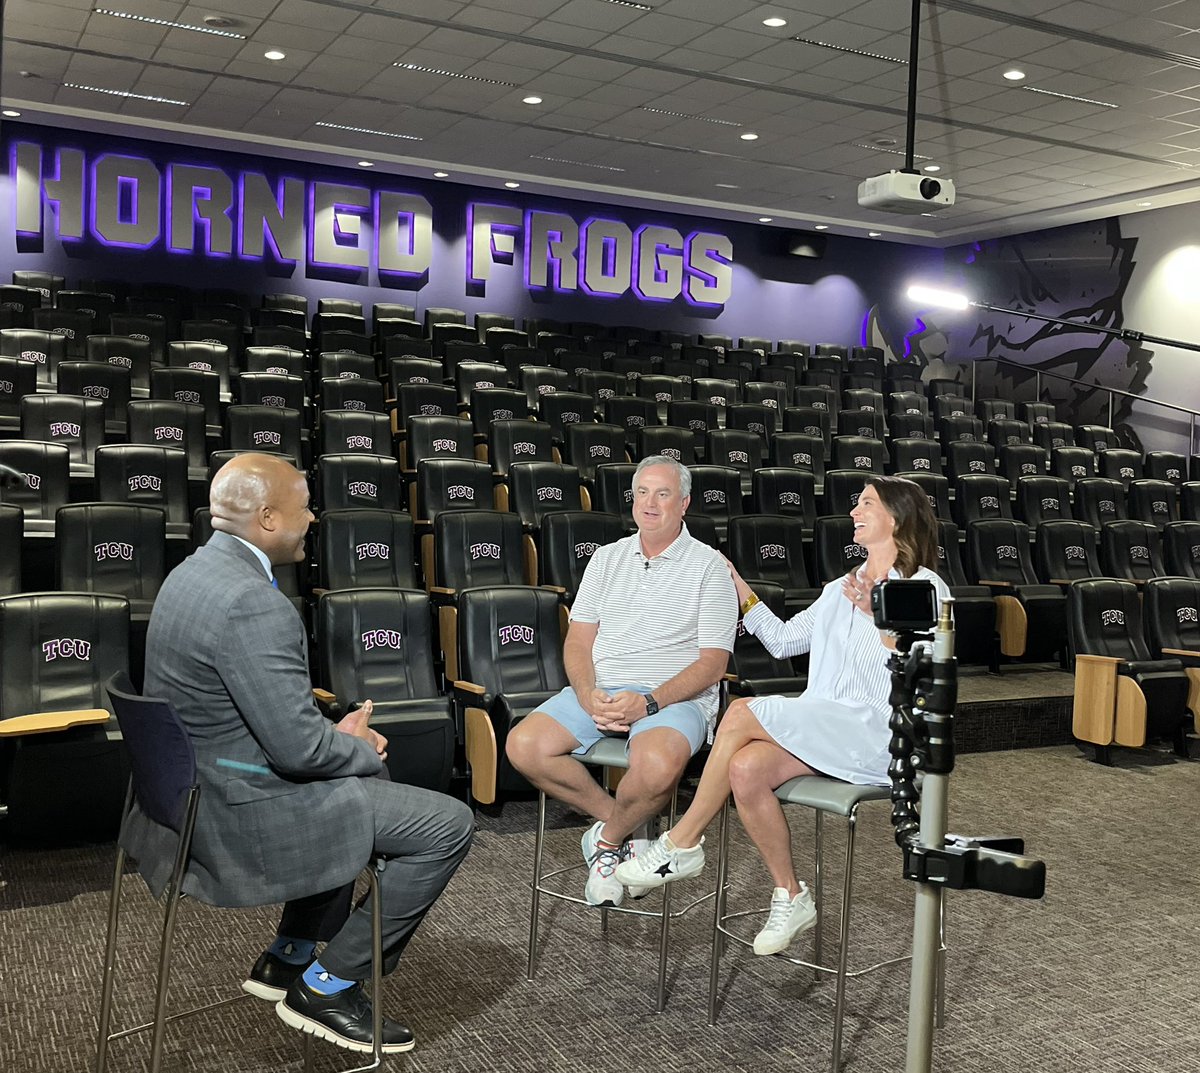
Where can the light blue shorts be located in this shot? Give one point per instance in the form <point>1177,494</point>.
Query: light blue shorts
<point>684,716</point>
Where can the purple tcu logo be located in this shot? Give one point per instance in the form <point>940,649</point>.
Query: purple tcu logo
<point>6,387</point>
<point>599,450</point>
<point>372,549</point>
<point>1174,475</point>
<point>362,488</point>
<point>515,635</point>
<point>187,396</point>
<point>790,499</point>
<point>1112,618</point>
<point>272,438</point>
<point>975,465</point>
<point>1127,472</point>
<point>854,551</point>
<point>866,431</point>
<point>673,452</point>
<point>1159,506</point>
<point>68,648</point>
<point>382,639</point>
<point>1057,441</point>
<point>549,493</point>
<point>524,448</point>
<point>445,445</point>
<point>418,380</point>
<point>502,415</point>
<point>142,335</point>
<point>203,366</point>
<point>1010,440</point>
<point>33,355</point>
<point>812,430</point>
<point>628,493</point>
<point>64,428</point>
<point>1075,552</point>
<point>355,404</point>
<point>363,442</point>
<point>1006,551</point>
<point>862,462</point>
<point>854,498</point>
<point>717,400</point>
<point>33,480</point>
<point>820,405</point>
<point>772,551</point>
<point>145,482</point>
<point>1195,547</point>
<point>662,396</point>
<point>1107,506</point>
<point>348,374</point>
<point>545,389</point>
<point>484,383</point>
<point>607,393</point>
<point>772,403</point>
<point>739,456</point>
<point>632,421</point>
<point>586,550</point>
<point>915,410</point>
<point>941,554</point>
<point>989,502</point>
<point>1051,504</point>
<point>123,363</point>
<point>920,463</point>
<point>168,432</point>
<point>278,401</point>
<point>1140,553</point>
<point>714,495</point>
<point>67,332</point>
<point>113,549</point>
<point>485,551</point>
<point>279,370</point>
<point>698,425</point>
<point>801,458</point>
<point>756,427</point>
<point>867,408</point>
<point>1028,469</point>
<point>1187,614</point>
<point>1078,471</point>
<point>460,491</point>
<point>430,409</point>
<point>1099,445</point>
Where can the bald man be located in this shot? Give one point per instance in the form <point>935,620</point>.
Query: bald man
<point>292,806</point>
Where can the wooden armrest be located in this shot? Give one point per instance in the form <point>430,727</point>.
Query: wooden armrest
<point>997,584</point>
<point>1083,657</point>
<point>556,589</point>
<point>323,696</point>
<point>318,593</point>
<point>1061,581</point>
<point>1182,653</point>
<point>51,722</point>
<point>441,590</point>
<point>470,687</point>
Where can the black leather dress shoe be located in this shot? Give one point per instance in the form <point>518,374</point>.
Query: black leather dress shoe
<point>272,976</point>
<point>344,1018</point>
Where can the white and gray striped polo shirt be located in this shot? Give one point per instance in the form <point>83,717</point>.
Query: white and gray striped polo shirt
<point>656,614</point>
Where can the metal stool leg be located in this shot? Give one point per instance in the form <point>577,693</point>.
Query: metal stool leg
<point>535,905</point>
<point>718,941</point>
<point>839,1001</point>
<point>376,977</point>
<point>819,890</point>
<point>110,960</point>
<point>664,933</point>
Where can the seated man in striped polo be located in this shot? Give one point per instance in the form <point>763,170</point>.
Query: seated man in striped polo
<point>651,630</point>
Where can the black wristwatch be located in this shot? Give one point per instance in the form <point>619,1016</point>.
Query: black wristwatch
<point>651,705</point>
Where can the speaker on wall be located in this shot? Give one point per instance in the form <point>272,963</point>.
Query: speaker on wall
<point>804,244</point>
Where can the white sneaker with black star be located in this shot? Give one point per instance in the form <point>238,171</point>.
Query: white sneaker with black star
<point>635,847</point>
<point>602,888</point>
<point>662,862</point>
<point>788,918</point>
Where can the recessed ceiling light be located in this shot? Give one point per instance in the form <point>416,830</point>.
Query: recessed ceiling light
<point>1014,74</point>
<point>531,100</point>
<point>932,167</point>
<point>124,93</point>
<point>169,23</point>
<point>10,113</point>
<point>765,219</point>
<point>512,186</point>
<point>274,54</point>
<point>774,22</point>
<point>820,227</point>
<point>874,234</point>
<point>749,136</point>
<point>726,186</point>
<point>1140,204</point>
<point>441,175</point>
<point>366,164</point>
<point>368,130</point>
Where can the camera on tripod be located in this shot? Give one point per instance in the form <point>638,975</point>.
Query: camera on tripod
<point>905,605</point>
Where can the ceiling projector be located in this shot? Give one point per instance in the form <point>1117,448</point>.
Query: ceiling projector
<point>900,191</point>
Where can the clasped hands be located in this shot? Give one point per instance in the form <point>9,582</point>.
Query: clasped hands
<point>614,712</point>
<point>355,724</point>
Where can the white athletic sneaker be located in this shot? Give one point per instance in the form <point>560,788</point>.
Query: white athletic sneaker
<point>602,888</point>
<point>661,862</point>
<point>635,847</point>
<point>788,918</point>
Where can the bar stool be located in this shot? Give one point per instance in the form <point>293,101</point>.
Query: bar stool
<point>606,753</point>
<point>823,795</point>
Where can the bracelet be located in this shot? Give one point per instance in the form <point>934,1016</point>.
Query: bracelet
<point>749,602</point>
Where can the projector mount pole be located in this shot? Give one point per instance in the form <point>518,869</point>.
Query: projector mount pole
<point>914,45</point>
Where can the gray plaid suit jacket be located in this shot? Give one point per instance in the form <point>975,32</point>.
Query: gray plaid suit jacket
<point>282,811</point>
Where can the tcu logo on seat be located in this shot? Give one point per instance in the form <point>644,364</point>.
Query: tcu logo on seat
<point>586,550</point>
<point>1140,552</point>
<point>941,554</point>
<point>33,355</point>
<point>958,413</point>
<point>515,635</point>
<point>714,495</point>
<point>373,549</point>
<point>418,380</point>
<point>278,369</point>
<point>430,409</point>
<point>1078,471</point>
<point>672,452</point>
<point>607,393</point>
<point>1126,471</point>
<point>1159,506</point>
<point>187,396</point>
<point>445,445</point>
<point>460,491</point>
<point>599,450</point>
<point>381,639</point>
<point>1173,475</point>
<point>633,421</point>
<point>1050,504</point>
<point>64,428</point>
<point>1028,468</point>
<point>168,432</point>
<point>772,551</point>
<point>1057,441</point>
<point>1009,440</point>
<point>862,462</point>
<point>545,389</point>
<point>502,415</point>
<point>976,465</point>
<point>913,410</point>
<point>854,551</point>
<point>365,442</point>
<point>772,403</point>
<point>932,501</point>
<point>697,425</point>
<point>717,400</point>
<point>920,463</point>
<point>6,387</point>
<point>820,404</point>
<point>756,427</point>
<point>1075,551</point>
<point>791,499</point>
<point>812,430</point>
<point>739,456</point>
<point>1187,614</point>
<point>484,383</point>
<point>68,332</point>
<point>145,482</point>
<point>1006,551</point>
<point>354,404</point>
<point>203,366</point>
<point>549,493</point>
<point>124,363</point>
<point>1107,506</point>
<point>801,458</point>
<point>485,551</point>
<point>272,438</point>
<point>362,488</point>
<point>866,431</point>
<point>628,494</point>
<point>348,374</point>
<point>139,335</point>
<point>524,448</point>
<point>662,396</point>
<point>33,480</point>
<point>68,647</point>
<point>989,502</point>
<point>113,550</point>
<point>277,401</point>
<point>1112,618</point>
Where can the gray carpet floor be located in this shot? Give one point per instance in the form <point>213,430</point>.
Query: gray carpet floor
<point>1102,976</point>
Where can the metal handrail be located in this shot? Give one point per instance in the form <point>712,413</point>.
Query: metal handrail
<point>1112,393</point>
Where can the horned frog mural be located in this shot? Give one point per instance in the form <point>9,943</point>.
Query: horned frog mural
<point>1079,273</point>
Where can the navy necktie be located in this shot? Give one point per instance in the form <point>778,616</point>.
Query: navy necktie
<point>274,582</point>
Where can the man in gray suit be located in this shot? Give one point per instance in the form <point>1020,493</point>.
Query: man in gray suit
<point>289,809</point>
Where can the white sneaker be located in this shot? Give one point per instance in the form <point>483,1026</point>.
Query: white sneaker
<point>602,888</point>
<point>788,918</point>
<point>661,862</point>
<point>635,847</point>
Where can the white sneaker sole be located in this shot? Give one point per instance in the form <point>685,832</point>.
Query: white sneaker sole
<point>777,944</point>
<point>320,1031</point>
<point>263,991</point>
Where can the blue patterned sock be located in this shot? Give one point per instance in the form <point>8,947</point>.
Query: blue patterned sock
<point>293,951</point>
<point>323,982</point>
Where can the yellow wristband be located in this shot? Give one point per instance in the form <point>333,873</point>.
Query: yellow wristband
<point>750,601</point>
